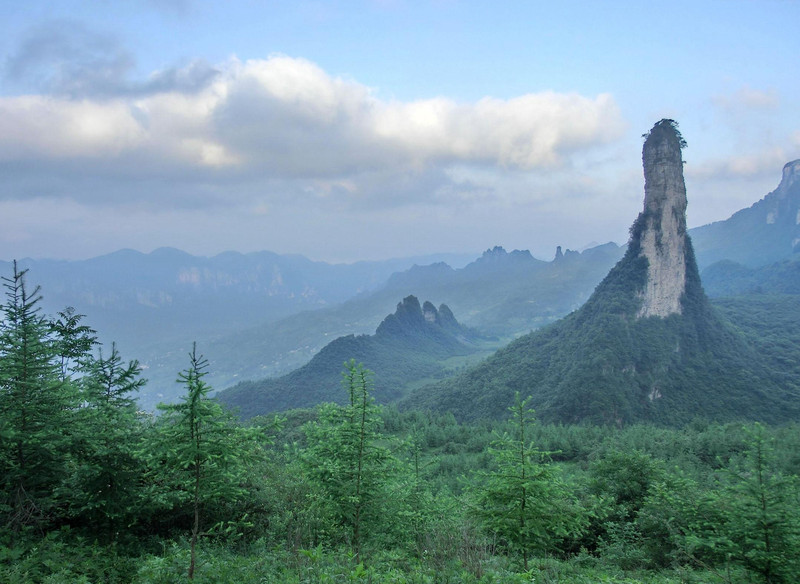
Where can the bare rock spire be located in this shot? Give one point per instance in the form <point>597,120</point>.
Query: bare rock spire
<point>663,236</point>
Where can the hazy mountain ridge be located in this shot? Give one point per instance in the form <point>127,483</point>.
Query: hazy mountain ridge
<point>170,278</point>
<point>508,302</point>
<point>764,233</point>
<point>409,345</point>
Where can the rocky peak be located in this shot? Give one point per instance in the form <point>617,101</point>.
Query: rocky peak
<point>498,255</point>
<point>782,206</point>
<point>791,175</point>
<point>429,312</point>
<point>662,225</point>
<point>447,319</point>
<point>412,319</point>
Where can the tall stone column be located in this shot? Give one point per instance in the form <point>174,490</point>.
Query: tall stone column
<point>663,239</point>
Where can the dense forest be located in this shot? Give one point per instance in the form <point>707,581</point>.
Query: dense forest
<point>95,490</point>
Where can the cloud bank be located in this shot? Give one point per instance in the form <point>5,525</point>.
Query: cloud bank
<point>280,127</point>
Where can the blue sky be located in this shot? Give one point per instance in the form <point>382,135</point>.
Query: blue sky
<point>368,130</point>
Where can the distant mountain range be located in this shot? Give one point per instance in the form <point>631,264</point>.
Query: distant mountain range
<point>171,293</point>
<point>502,294</point>
<point>263,314</point>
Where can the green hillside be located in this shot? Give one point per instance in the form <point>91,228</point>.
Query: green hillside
<point>410,345</point>
<point>727,278</point>
<point>600,364</point>
<point>771,325</point>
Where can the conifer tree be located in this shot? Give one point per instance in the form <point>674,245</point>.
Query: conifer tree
<point>524,501</point>
<point>105,483</point>
<point>200,456</point>
<point>34,406</point>
<point>344,457</point>
<point>74,341</point>
<point>758,521</point>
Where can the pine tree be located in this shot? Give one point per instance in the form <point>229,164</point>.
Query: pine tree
<point>524,501</point>
<point>344,457</point>
<point>106,479</point>
<point>35,403</point>
<point>760,522</point>
<point>74,341</point>
<point>200,455</point>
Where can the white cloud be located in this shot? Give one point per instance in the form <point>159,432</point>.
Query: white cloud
<point>41,128</point>
<point>286,123</point>
<point>760,163</point>
<point>748,98</point>
<point>535,130</point>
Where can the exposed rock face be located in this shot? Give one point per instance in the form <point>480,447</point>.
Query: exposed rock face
<point>781,205</point>
<point>663,238</point>
<point>791,174</point>
<point>785,201</point>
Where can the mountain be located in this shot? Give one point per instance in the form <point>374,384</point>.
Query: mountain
<point>766,232</point>
<point>771,324</point>
<point>727,278</point>
<point>647,345</point>
<point>408,346</point>
<point>155,305</point>
<point>510,293</point>
<point>503,294</point>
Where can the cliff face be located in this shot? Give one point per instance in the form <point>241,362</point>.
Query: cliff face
<point>663,237</point>
<point>791,175</point>
<point>760,235</point>
<point>784,201</point>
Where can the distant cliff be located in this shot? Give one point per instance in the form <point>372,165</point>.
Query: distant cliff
<point>764,233</point>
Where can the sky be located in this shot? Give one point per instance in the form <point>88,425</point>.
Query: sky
<point>365,130</point>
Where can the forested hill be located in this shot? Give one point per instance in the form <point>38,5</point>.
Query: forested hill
<point>727,278</point>
<point>409,345</point>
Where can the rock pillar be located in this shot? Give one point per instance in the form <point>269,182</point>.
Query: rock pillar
<point>663,238</point>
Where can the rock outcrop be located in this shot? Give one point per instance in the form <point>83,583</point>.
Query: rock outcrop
<point>791,175</point>
<point>662,238</point>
